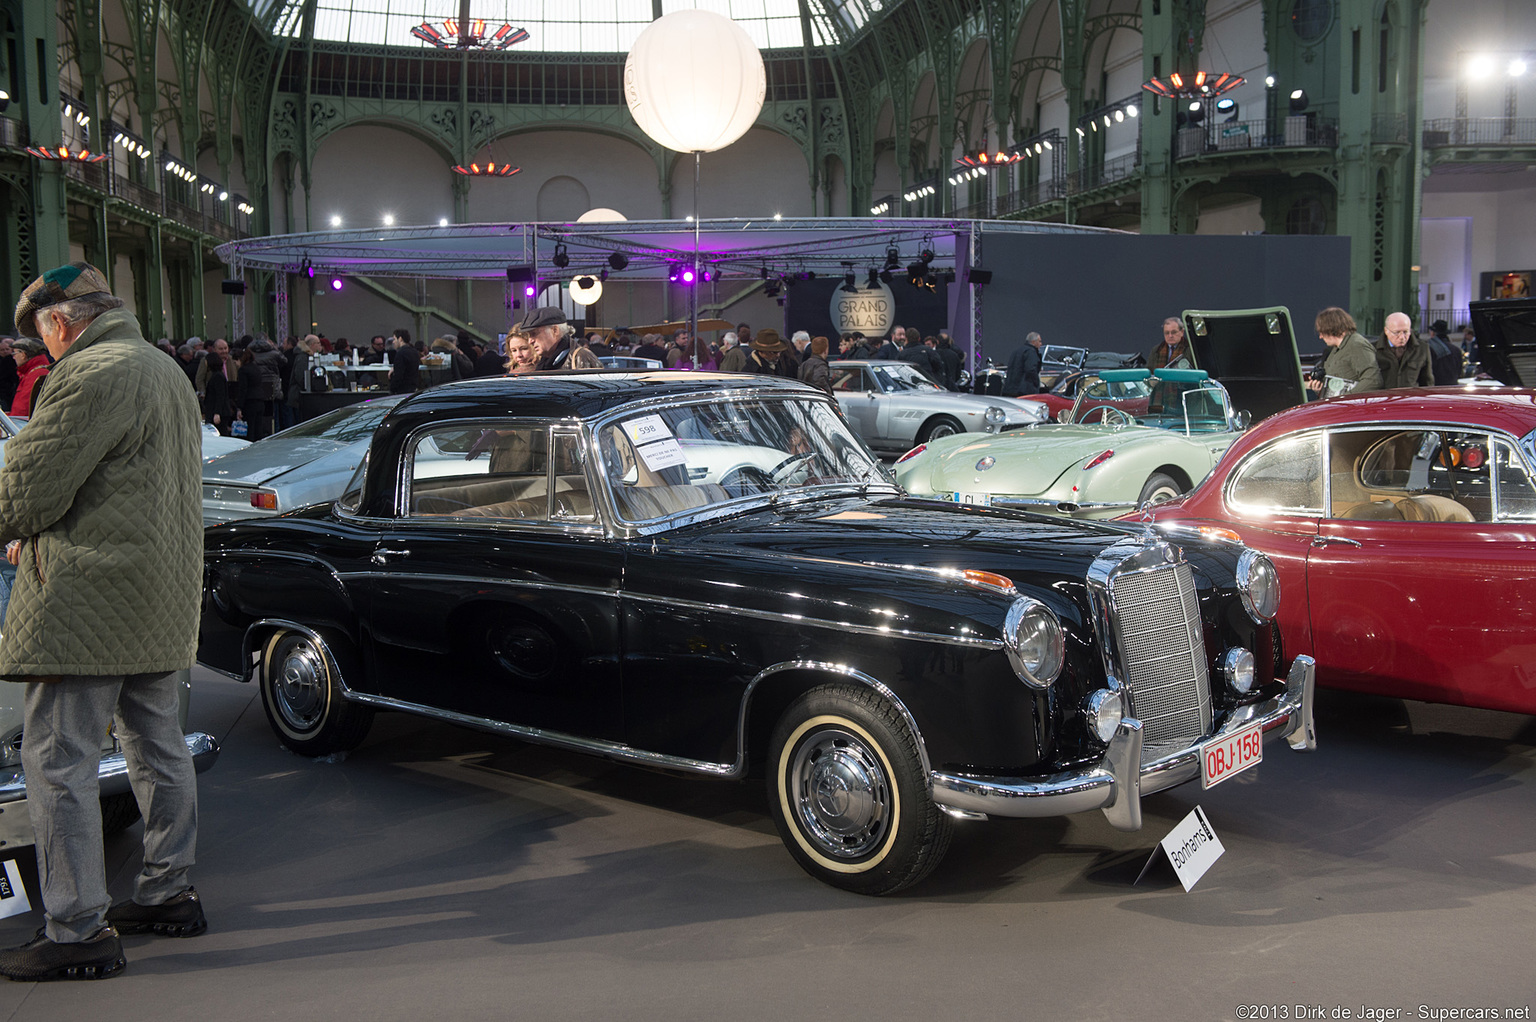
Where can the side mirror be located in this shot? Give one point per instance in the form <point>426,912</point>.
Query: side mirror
<point>1244,419</point>
<point>1065,415</point>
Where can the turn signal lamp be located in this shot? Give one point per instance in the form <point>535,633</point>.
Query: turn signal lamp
<point>264,501</point>
<point>989,578</point>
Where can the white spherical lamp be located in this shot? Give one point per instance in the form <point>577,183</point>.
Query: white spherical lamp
<point>600,215</point>
<point>694,81</point>
<point>586,290</point>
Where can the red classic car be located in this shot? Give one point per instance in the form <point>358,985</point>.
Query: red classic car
<point>1403,528</point>
<point>1130,396</point>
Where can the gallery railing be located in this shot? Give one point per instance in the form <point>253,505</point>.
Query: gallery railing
<point>1479,131</point>
<point>100,177</point>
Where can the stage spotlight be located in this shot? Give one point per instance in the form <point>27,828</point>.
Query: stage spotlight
<point>336,284</point>
<point>850,282</point>
<point>772,289</point>
<point>916,272</point>
<point>886,276</point>
<point>618,260</point>
<point>561,259</point>
<point>1299,101</point>
<point>926,256</point>
<point>893,258</point>
<point>874,279</point>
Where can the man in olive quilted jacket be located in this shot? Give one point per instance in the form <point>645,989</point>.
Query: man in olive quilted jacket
<point>100,505</point>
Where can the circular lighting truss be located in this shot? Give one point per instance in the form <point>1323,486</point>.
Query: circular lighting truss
<point>454,34</point>
<point>1200,85</point>
<point>488,169</point>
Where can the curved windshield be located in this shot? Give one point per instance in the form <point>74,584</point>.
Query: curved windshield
<point>347,424</point>
<point>892,378</point>
<point>662,461</point>
<point>1186,406</point>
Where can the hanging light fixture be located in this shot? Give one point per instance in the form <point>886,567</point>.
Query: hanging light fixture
<point>468,34</point>
<point>490,168</point>
<point>1201,84</point>
<point>586,290</point>
<point>64,154</point>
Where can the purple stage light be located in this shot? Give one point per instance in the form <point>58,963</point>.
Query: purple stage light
<point>528,292</point>
<point>686,277</point>
<point>335,283</point>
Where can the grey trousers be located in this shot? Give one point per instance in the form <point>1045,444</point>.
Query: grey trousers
<point>66,723</point>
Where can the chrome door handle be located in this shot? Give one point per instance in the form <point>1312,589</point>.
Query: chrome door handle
<point>1322,541</point>
<point>383,554</point>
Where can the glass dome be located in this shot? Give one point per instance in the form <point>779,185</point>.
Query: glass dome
<point>563,26</point>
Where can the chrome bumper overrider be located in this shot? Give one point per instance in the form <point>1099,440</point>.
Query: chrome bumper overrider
<point>113,772</point>
<point>1118,782</point>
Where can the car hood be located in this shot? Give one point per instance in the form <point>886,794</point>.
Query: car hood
<point>1253,353</point>
<point>260,463</point>
<point>907,532</point>
<point>1506,339</point>
<point>1025,463</point>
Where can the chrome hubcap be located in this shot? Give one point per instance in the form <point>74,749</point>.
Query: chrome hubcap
<point>841,793</point>
<point>299,690</point>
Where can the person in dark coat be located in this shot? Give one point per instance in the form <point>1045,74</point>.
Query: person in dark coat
<point>954,362</point>
<point>9,375</point>
<point>1024,368</point>
<point>491,362</point>
<point>405,376</point>
<point>919,354</point>
<point>770,356</point>
<point>31,361</point>
<point>258,386</point>
<point>891,349</point>
<point>1402,358</point>
<point>218,408</point>
<point>814,369</point>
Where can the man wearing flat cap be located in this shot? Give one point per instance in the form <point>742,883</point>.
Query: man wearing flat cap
<point>101,507</point>
<point>770,356</point>
<point>547,327</point>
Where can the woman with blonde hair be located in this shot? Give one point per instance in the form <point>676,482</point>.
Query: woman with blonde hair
<point>522,355</point>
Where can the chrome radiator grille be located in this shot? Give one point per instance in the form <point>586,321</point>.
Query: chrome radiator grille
<point>1157,624</point>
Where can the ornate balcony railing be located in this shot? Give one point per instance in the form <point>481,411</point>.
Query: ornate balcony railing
<point>212,218</point>
<point>1298,131</point>
<point>1479,131</point>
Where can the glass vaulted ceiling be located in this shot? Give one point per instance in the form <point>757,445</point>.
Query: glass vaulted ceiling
<point>564,26</point>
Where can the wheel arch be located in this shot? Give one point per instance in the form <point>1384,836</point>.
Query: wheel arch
<point>1175,473</point>
<point>341,657</point>
<point>769,694</point>
<point>922,434</point>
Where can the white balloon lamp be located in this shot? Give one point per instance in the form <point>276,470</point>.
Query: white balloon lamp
<point>600,215</point>
<point>694,81</point>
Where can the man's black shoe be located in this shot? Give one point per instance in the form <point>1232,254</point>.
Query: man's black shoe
<point>182,916</point>
<point>40,959</point>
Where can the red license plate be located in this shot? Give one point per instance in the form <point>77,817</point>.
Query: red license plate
<point>1230,755</point>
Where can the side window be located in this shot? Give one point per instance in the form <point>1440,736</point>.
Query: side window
<point>848,379</point>
<point>1516,500</point>
<point>1284,477</point>
<point>1414,475</point>
<point>498,471</point>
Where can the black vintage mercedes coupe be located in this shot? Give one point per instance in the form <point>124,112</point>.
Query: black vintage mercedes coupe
<point>711,574</point>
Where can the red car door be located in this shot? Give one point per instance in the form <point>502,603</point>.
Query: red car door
<point>1422,579</point>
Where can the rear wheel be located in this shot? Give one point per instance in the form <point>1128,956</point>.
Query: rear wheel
<point>939,426</point>
<point>1158,489</point>
<point>304,700</point>
<point>848,793</point>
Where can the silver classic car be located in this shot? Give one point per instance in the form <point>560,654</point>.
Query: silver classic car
<point>893,406</point>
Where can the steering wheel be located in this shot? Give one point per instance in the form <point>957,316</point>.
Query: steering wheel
<point>739,482</point>
<point>781,473</point>
<point>1109,415</point>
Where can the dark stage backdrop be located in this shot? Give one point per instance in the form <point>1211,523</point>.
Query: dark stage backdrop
<point>808,306</point>
<point>1112,293</point>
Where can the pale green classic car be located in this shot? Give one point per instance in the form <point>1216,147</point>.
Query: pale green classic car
<point>1133,437</point>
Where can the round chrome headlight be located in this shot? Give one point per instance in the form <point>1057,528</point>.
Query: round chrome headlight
<point>995,414</point>
<point>1103,712</point>
<point>1036,644</point>
<point>1259,583</point>
<point>1239,671</point>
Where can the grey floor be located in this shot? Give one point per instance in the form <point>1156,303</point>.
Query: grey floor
<point>442,873</point>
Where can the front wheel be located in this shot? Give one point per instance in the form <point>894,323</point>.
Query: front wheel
<point>939,426</point>
<point>848,794</point>
<point>304,700</point>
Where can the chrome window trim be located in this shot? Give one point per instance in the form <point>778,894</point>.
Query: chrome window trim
<point>666,601</point>
<point>1246,510</point>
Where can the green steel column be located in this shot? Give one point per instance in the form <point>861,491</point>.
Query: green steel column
<point>1357,187</point>
<point>195,292</point>
<point>37,52</point>
<point>1157,119</point>
<point>152,305</point>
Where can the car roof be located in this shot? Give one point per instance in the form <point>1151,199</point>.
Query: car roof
<point>1505,408</point>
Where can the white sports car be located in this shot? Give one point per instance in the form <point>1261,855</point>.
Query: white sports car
<point>894,407</point>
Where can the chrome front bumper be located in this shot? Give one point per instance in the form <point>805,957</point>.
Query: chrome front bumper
<point>1120,779</point>
<point>16,826</point>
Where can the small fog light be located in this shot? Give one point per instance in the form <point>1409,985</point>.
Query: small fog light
<point>1238,668</point>
<point>1104,711</point>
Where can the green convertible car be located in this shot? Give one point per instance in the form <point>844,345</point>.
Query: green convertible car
<point>1133,436</point>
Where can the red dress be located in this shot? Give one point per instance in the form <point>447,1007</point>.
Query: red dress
<point>32,370</point>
